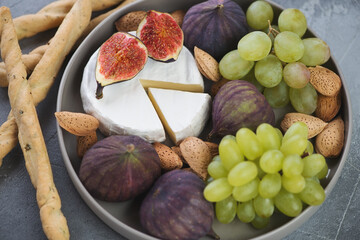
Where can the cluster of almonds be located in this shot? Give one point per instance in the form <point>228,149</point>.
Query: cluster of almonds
<point>82,125</point>
<point>191,154</point>
<point>325,126</point>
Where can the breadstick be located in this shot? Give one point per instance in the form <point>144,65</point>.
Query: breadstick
<point>30,60</point>
<point>46,70</point>
<point>51,16</point>
<point>30,135</point>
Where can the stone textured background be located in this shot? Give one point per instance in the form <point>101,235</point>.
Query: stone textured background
<point>336,22</point>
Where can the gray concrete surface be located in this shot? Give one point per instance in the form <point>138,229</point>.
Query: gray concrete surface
<point>336,22</point>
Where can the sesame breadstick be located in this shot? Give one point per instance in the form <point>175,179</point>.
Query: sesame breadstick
<point>46,70</point>
<point>30,135</point>
<point>51,16</point>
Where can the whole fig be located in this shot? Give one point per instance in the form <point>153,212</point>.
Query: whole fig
<point>215,26</point>
<point>175,207</point>
<point>239,104</point>
<point>118,168</point>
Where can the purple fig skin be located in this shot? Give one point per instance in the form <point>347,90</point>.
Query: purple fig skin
<point>215,26</point>
<point>175,207</point>
<point>239,104</point>
<point>119,168</point>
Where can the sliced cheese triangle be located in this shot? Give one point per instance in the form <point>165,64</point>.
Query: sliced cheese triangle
<point>183,114</point>
<point>181,74</point>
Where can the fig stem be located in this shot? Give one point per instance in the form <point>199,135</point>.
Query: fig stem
<point>99,91</point>
<point>130,148</point>
<point>213,234</point>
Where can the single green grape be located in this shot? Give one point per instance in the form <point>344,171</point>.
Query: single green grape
<point>233,67</point>
<point>242,173</point>
<point>294,145</point>
<point>247,191</point>
<point>217,190</point>
<point>296,75</point>
<point>317,52</point>
<point>245,211</point>
<point>298,128</point>
<point>293,165</point>
<point>293,184</point>
<point>313,193</point>
<point>264,207</point>
<point>288,203</point>
<point>271,161</point>
<point>278,96</point>
<point>229,152</point>
<point>216,168</point>
<point>268,71</point>
<point>258,14</point>
<point>304,100</point>
<point>288,47</point>
<point>260,222</point>
<point>248,143</point>
<point>254,46</point>
<point>225,210</point>
<point>313,164</point>
<point>268,137</point>
<point>293,20</point>
<point>270,185</point>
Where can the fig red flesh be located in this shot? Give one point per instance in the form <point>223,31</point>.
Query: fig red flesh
<point>161,35</point>
<point>120,58</point>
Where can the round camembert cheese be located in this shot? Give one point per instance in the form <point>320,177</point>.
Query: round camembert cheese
<point>126,108</point>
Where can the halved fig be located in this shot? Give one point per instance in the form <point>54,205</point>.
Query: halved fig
<point>120,58</point>
<point>161,35</point>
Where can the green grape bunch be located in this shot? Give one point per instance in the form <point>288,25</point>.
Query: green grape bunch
<point>258,172</point>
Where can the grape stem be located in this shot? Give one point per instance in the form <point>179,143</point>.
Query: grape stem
<point>272,30</point>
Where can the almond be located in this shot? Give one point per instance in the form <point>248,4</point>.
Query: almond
<point>207,65</point>
<point>314,124</point>
<point>84,143</point>
<point>178,15</point>
<point>214,148</point>
<point>130,21</point>
<point>169,160</point>
<point>328,107</point>
<point>177,150</point>
<point>325,81</point>
<point>330,141</point>
<point>197,155</point>
<point>79,124</point>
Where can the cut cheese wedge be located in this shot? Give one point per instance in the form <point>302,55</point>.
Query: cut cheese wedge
<point>183,114</point>
<point>181,74</point>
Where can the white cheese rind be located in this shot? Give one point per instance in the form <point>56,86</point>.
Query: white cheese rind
<point>124,109</point>
<point>185,113</point>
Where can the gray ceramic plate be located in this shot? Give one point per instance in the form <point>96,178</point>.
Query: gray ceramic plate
<point>123,217</point>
